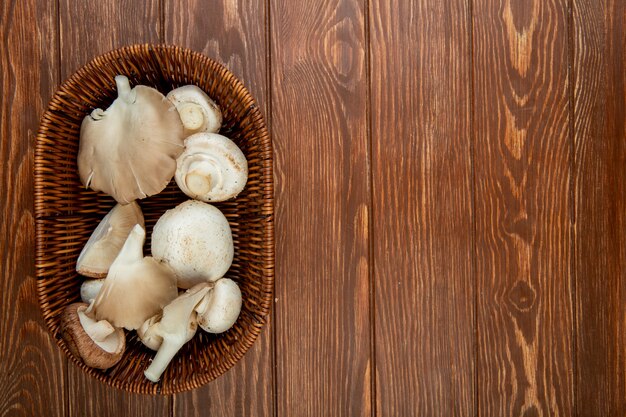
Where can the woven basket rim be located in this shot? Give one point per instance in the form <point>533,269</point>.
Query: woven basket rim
<point>268,225</point>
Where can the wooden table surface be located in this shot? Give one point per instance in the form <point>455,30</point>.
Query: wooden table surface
<point>450,203</point>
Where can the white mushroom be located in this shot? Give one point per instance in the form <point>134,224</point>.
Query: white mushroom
<point>196,109</point>
<point>148,334</point>
<point>107,239</point>
<point>98,343</point>
<point>195,240</point>
<point>174,329</point>
<point>129,151</point>
<point>136,288</point>
<point>211,168</point>
<point>89,289</point>
<point>219,310</point>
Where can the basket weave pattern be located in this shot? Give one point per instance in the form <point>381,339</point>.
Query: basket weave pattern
<point>66,213</point>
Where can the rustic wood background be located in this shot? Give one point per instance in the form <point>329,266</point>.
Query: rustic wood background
<point>450,203</point>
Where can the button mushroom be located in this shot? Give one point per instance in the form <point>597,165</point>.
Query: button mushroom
<point>107,239</point>
<point>129,150</point>
<point>220,308</point>
<point>195,240</point>
<point>98,343</point>
<point>89,289</point>
<point>136,288</point>
<point>175,328</point>
<point>211,168</point>
<point>197,111</point>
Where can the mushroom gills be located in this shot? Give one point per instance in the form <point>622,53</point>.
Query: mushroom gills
<point>129,150</point>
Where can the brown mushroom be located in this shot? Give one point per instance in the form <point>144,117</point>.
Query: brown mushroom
<point>97,343</point>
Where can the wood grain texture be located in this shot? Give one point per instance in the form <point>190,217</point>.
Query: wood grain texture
<point>32,370</point>
<point>233,33</point>
<point>495,215</point>
<point>90,28</point>
<point>319,129</point>
<point>87,30</point>
<point>522,207</point>
<point>422,213</point>
<point>599,102</point>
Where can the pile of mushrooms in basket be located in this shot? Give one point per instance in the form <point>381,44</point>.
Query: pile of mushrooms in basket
<point>131,151</point>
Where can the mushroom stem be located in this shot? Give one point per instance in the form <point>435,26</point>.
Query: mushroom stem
<point>174,328</point>
<point>168,349</point>
<point>191,115</point>
<point>202,177</point>
<point>123,89</point>
<point>217,158</point>
<point>198,183</point>
<point>97,330</point>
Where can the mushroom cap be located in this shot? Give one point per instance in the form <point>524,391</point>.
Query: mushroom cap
<point>107,239</point>
<point>221,307</point>
<point>194,239</point>
<point>191,100</point>
<point>211,168</point>
<point>100,355</point>
<point>129,151</point>
<point>89,289</point>
<point>136,288</point>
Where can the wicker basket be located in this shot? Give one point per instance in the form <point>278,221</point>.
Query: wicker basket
<point>66,213</point>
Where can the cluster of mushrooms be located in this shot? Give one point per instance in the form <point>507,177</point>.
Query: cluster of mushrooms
<point>131,151</point>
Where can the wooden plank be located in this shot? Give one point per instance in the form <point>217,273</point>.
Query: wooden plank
<point>523,153</point>
<point>599,102</point>
<point>422,207</point>
<point>233,33</point>
<point>90,28</point>
<point>87,30</point>
<point>32,374</point>
<point>319,126</point>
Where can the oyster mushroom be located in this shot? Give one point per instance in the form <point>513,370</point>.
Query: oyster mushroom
<point>196,109</point>
<point>107,239</point>
<point>129,150</point>
<point>175,328</point>
<point>89,289</point>
<point>194,239</point>
<point>220,308</point>
<point>148,334</point>
<point>97,343</point>
<point>136,288</point>
<point>211,168</point>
